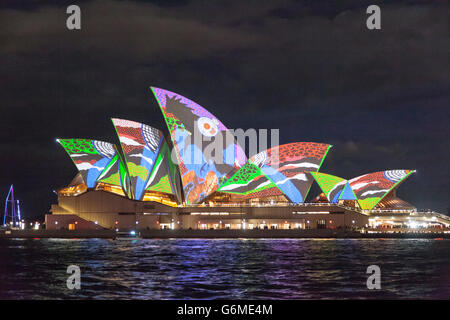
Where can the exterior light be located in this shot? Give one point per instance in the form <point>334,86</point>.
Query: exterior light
<point>137,222</point>
<point>353,221</point>
<point>116,222</point>
<point>76,222</point>
<point>96,222</point>
<point>56,222</point>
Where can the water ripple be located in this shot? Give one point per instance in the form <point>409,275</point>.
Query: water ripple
<point>224,269</point>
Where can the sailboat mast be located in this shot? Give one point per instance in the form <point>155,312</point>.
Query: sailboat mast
<point>13,207</point>
<point>10,204</point>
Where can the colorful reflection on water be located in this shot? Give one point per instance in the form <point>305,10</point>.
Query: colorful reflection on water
<point>224,269</point>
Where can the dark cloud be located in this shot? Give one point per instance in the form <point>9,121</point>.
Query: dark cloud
<point>310,68</point>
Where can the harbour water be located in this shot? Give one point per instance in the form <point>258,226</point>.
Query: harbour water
<point>225,268</point>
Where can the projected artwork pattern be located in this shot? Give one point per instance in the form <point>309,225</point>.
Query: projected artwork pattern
<point>161,179</point>
<point>189,124</point>
<point>140,144</point>
<point>331,185</point>
<point>111,173</point>
<point>249,180</point>
<point>347,193</point>
<point>287,164</point>
<point>90,157</point>
<point>372,187</point>
<point>116,174</point>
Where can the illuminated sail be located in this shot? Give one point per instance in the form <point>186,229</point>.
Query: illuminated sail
<point>347,193</point>
<point>195,132</point>
<point>287,165</point>
<point>140,145</point>
<point>164,176</point>
<point>335,188</point>
<point>250,182</point>
<point>371,188</point>
<point>90,157</point>
<point>116,174</point>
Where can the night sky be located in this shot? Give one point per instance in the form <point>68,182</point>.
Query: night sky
<point>310,68</point>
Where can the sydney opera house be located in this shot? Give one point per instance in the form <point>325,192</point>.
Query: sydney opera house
<point>166,178</point>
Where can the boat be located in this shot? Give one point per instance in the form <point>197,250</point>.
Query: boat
<point>128,235</point>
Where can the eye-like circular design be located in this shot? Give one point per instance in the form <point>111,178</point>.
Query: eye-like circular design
<point>207,127</point>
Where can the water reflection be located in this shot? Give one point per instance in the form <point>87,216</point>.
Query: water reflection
<point>218,269</point>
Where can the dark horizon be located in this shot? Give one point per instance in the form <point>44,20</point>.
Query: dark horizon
<point>313,70</point>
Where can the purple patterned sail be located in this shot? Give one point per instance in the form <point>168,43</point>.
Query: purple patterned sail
<point>195,132</point>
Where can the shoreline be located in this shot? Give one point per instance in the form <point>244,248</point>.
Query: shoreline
<point>219,234</point>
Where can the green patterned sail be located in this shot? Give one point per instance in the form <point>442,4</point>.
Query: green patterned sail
<point>115,174</point>
<point>331,185</point>
<point>163,174</point>
<point>90,157</point>
<point>249,179</point>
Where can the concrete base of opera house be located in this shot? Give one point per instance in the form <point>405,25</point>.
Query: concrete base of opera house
<point>102,210</point>
<point>99,214</point>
